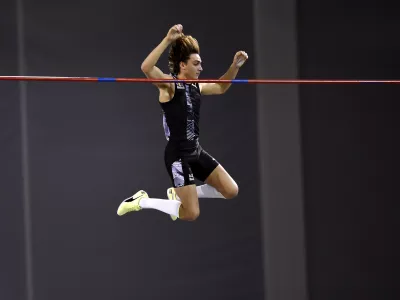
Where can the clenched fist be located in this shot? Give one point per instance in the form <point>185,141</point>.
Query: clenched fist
<point>240,58</point>
<point>175,32</point>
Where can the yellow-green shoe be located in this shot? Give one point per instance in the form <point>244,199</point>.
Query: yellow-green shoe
<point>132,203</point>
<point>172,196</point>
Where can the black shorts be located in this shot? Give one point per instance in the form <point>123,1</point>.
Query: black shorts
<point>187,161</point>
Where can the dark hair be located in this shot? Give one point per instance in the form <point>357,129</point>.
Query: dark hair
<point>180,50</point>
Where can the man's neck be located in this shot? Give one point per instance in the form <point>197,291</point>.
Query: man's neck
<point>181,77</point>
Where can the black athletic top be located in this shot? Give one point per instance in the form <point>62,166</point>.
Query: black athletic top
<point>181,115</point>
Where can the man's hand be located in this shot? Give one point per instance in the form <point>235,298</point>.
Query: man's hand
<point>174,33</point>
<point>240,58</point>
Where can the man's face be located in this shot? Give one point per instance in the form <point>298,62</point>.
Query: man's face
<point>192,69</point>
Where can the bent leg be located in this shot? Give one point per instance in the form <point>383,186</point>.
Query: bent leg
<point>223,182</point>
<point>218,183</point>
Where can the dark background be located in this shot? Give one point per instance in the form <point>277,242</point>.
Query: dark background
<point>92,145</point>
<point>12,266</point>
<point>350,148</point>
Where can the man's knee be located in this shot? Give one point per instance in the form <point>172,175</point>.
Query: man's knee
<point>231,192</point>
<point>191,214</point>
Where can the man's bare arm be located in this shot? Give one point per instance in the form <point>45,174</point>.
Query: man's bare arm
<point>220,88</point>
<point>149,67</point>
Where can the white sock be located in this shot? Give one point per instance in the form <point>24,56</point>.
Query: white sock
<point>207,191</point>
<point>170,207</point>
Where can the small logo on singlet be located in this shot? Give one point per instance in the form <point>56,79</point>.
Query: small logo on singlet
<point>180,86</point>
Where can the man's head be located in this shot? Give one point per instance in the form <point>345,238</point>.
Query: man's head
<point>184,57</point>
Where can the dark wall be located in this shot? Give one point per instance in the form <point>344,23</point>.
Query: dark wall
<point>93,145</point>
<point>280,161</point>
<point>12,266</point>
<point>350,152</point>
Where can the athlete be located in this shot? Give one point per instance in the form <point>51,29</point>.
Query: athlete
<point>184,157</point>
